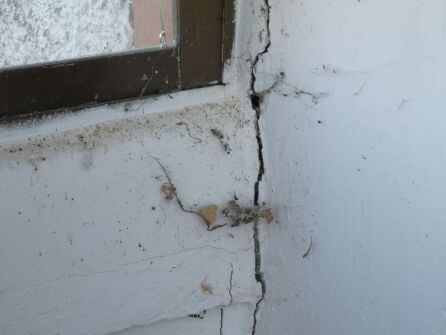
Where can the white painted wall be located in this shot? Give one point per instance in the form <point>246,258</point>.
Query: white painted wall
<point>89,244</point>
<point>361,172</point>
<point>354,154</point>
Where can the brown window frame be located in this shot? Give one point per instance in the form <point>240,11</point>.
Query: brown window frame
<point>205,28</point>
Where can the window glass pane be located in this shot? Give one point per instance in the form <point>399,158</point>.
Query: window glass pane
<point>40,31</point>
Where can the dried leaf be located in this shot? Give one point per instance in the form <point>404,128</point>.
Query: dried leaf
<point>209,215</point>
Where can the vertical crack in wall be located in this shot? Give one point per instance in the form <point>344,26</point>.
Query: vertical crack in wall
<point>222,313</point>
<point>257,97</point>
<point>230,285</point>
<point>258,275</point>
<point>256,101</point>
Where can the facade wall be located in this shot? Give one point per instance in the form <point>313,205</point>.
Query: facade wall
<point>89,244</point>
<point>355,157</point>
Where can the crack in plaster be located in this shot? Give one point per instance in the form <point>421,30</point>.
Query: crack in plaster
<point>230,299</point>
<point>124,267</point>
<point>230,284</point>
<point>222,313</point>
<point>256,100</point>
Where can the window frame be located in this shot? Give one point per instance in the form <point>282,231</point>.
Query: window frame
<point>205,31</point>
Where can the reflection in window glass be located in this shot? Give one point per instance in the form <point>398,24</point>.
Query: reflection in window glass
<point>152,23</point>
<point>52,30</point>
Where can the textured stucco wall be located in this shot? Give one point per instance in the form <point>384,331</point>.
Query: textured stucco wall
<point>47,30</point>
<point>355,157</point>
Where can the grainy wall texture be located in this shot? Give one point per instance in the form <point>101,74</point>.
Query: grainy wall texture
<point>48,30</point>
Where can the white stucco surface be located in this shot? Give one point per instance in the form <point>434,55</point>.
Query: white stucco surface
<point>355,158</point>
<point>40,31</point>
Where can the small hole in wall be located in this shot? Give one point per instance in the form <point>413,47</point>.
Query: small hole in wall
<point>255,101</point>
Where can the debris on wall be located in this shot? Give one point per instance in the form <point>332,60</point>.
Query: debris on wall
<point>112,235</point>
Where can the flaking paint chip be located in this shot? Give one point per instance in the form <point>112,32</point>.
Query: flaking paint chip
<point>268,216</point>
<point>206,288</point>
<point>169,191</point>
<point>209,215</point>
